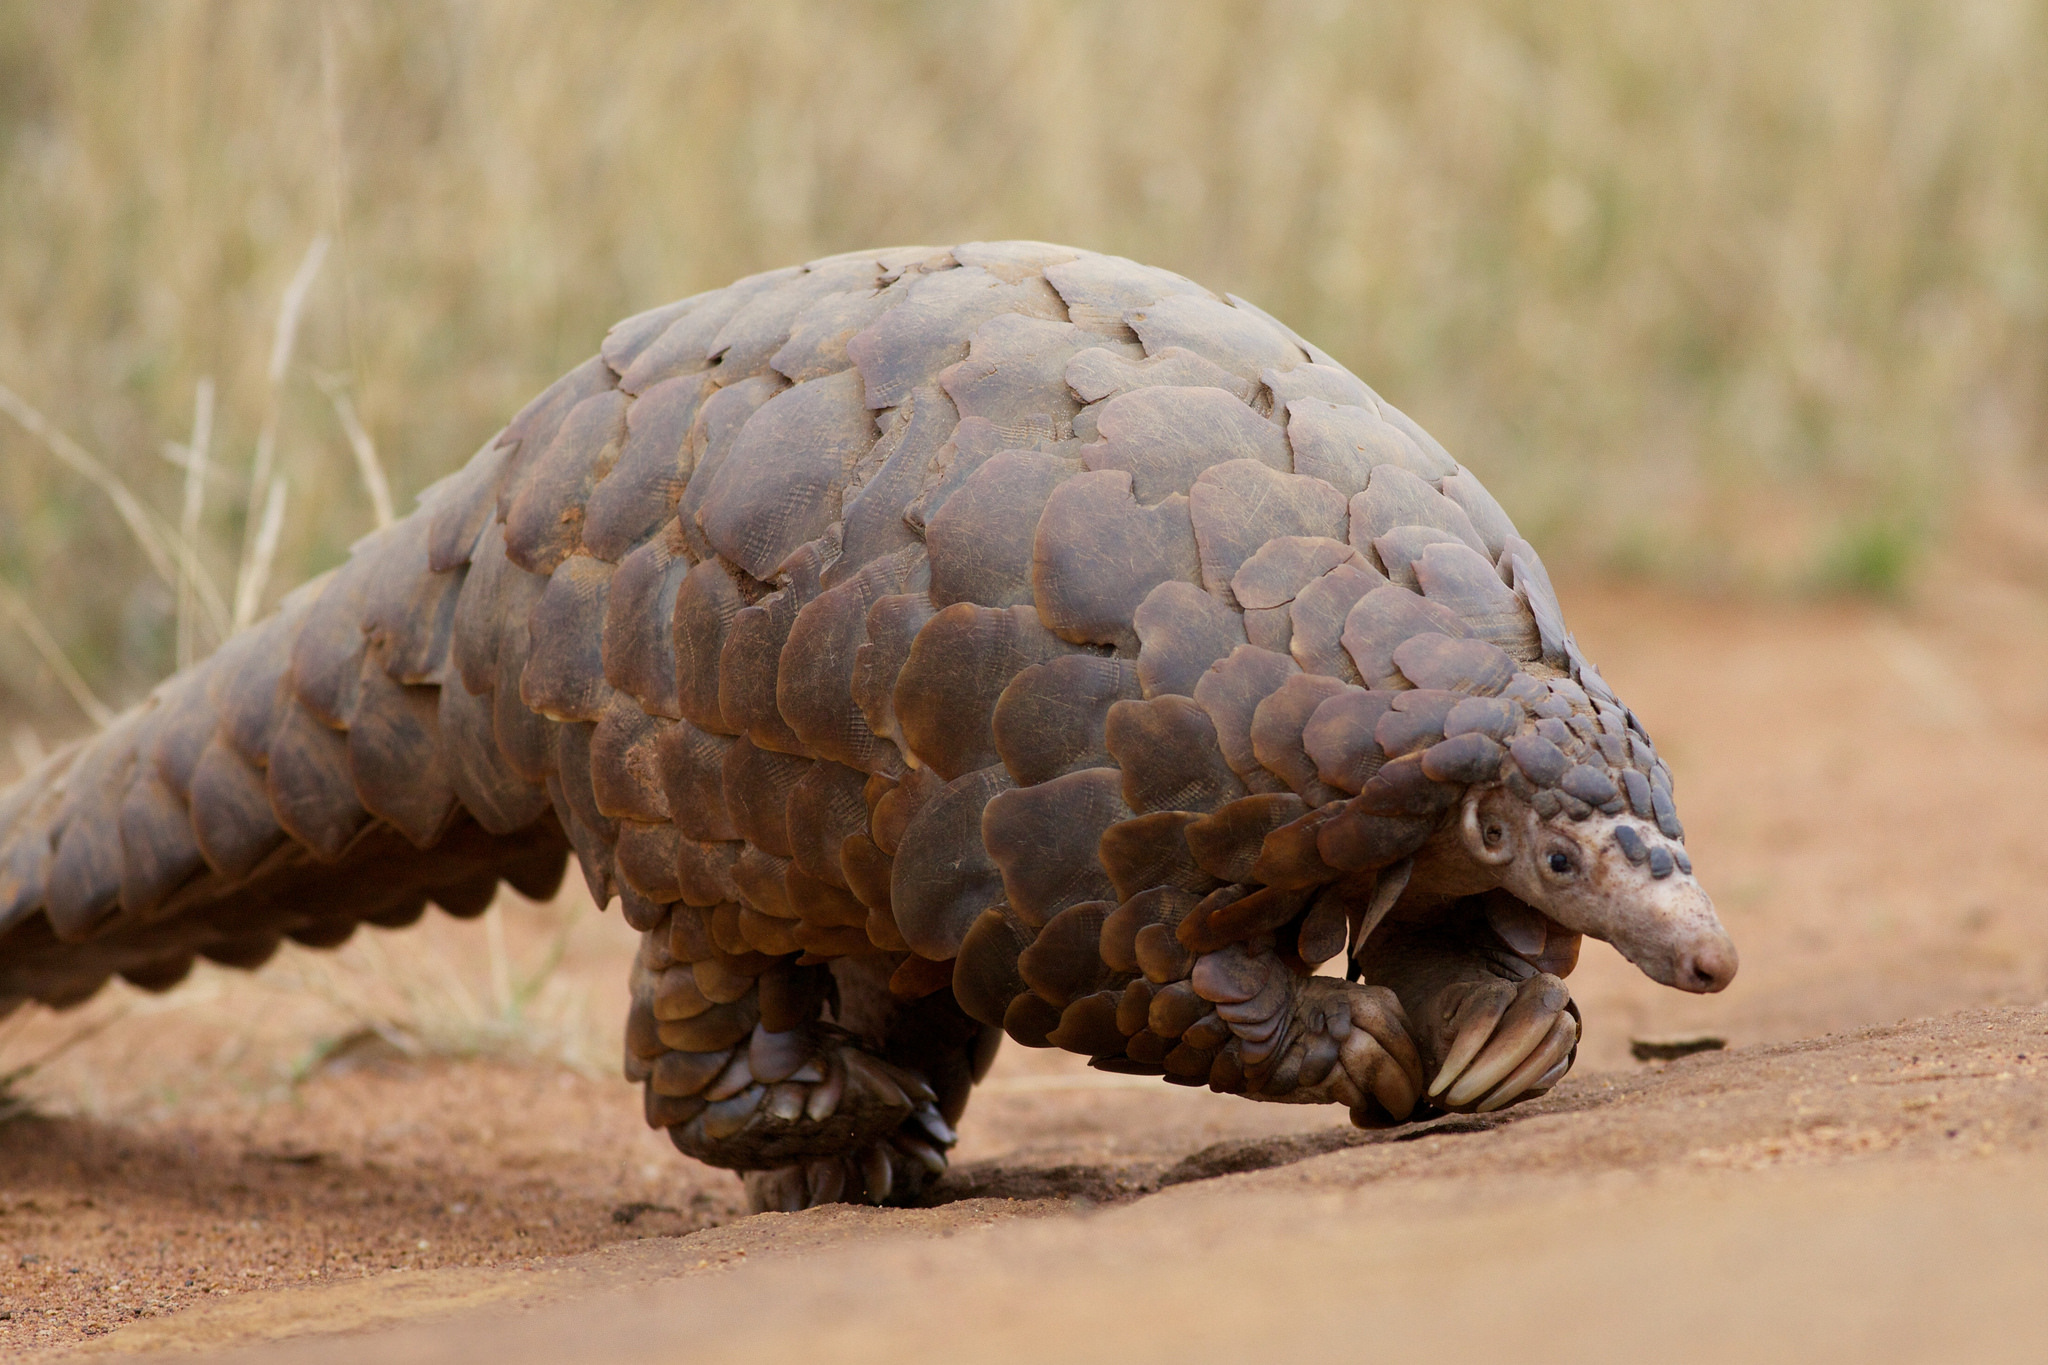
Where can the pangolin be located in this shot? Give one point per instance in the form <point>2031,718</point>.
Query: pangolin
<point>923,646</point>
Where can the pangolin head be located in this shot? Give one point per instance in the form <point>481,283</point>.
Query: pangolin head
<point>1579,824</point>
<point>1544,787</point>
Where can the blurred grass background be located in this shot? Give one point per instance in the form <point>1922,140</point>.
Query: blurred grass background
<point>1746,295</point>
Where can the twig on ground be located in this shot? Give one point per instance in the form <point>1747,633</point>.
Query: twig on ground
<point>53,655</point>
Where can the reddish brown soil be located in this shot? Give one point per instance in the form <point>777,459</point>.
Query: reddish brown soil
<point>1861,790</point>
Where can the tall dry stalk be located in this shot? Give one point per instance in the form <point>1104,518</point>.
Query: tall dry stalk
<point>190,571</point>
<point>266,490</point>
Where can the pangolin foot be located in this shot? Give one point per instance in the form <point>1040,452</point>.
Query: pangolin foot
<point>785,1100</point>
<point>1310,1040</point>
<point>1507,1041</point>
<point>897,1170</point>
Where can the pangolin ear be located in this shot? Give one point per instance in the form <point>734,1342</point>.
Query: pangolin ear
<point>1489,836</point>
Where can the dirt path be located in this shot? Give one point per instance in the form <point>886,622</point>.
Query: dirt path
<point>242,1161</point>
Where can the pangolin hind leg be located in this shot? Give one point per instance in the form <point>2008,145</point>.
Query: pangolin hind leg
<point>809,1077</point>
<point>932,1051</point>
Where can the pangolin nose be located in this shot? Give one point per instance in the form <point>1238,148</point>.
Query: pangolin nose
<point>1709,967</point>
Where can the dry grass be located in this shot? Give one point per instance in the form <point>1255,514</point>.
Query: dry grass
<point>1738,292</point>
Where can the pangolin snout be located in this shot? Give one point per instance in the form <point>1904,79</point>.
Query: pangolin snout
<point>1708,967</point>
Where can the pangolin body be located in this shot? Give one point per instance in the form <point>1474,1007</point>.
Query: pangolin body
<point>921,645</point>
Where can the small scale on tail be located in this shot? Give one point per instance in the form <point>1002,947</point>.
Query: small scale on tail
<point>923,646</point>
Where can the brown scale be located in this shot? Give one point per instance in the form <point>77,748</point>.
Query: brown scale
<point>816,342</point>
<point>825,807</point>
<point>1396,497</point>
<point>1166,438</point>
<point>494,600</point>
<point>909,345</point>
<point>159,851</point>
<point>639,493</point>
<point>1149,852</point>
<point>1014,374</point>
<point>1182,630</point>
<point>1167,751</point>
<point>1342,443</point>
<point>185,722</point>
<point>943,876</point>
<point>1236,340</point>
<point>1400,549</point>
<point>1044,840</point>
<point>1385,619</point>
<point>977,441</point>
<point>232,821</point>
<point>625,763</point>
<point>1239,506</point>
<point>458,508</point>
<point>779,486</point>
<point>709,598</point>
<point>704,870</point>
<point>720,419</point>
<point>248,689</point>
<point>1097,553</point>
<point>1277,727</point>
<point>1460,580</point>
<point>1052,717</point>
<point>1064,962</point>
<point>528,435</point>
<point>563,678</point>
<point>637,646</point>
<point>893,625</point>
<point>1230,693</point>
<point>326,655</point>
<point>877,521</point>
<point>945,696</point>
<point>628,337</point>
<point>683,347</point>
<point>481,773</point>
<point>544,523</point>
<point>747,666</point>
<point>1104,372</point>
<point>981,538</point>
<point>310,785</point>
<point>1322,380</point>
<point>1227,841</point>
<point>1281,567</point>
<point>1318,615</point>
<point>815,672</point>
<point>986,977</point>
<point>395,756</point>
<point>1099,290</point>
<point>757,330</point>
<point>1487,516</point>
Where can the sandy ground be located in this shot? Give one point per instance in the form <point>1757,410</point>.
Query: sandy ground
<point>421,1136</point>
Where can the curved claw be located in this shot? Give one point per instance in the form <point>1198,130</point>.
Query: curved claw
<point>1379,1054</point>
<point>1473,1023</point>
<point>1518,1032</point>
<point>1527,1079</point>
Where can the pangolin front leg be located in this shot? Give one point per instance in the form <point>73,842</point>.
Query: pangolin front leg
<point>1484,992</point>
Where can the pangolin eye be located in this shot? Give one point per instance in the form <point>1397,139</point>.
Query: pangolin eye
<point>1560,863</point>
